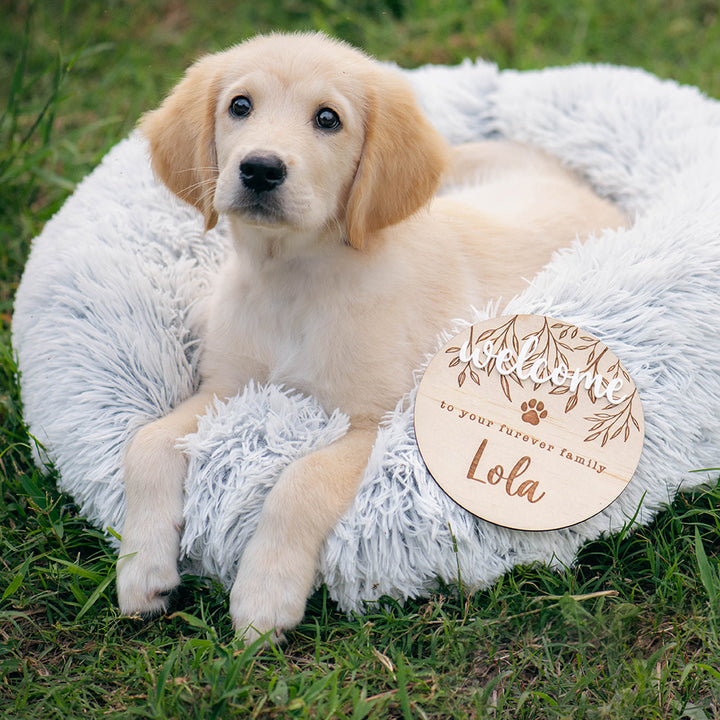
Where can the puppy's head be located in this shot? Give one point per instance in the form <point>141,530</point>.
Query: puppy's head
<point>296,133</point>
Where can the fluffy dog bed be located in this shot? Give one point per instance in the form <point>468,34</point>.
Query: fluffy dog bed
<point>106,335</point>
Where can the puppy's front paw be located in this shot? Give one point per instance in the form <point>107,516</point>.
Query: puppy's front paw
<point>147,575</point>
<point>252,616</point>
<point>270,592</point>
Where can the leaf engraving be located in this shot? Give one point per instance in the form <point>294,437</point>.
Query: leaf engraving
<point>554,343</point>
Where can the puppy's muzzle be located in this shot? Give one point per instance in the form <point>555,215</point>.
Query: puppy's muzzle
<point>262,173</point>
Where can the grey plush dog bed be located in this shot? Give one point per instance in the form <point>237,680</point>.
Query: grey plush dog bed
<point>106,335</point>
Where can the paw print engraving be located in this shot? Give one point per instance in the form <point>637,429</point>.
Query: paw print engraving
<point>533,411</point>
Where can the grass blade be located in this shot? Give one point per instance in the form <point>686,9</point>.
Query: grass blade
<point>708,576</point>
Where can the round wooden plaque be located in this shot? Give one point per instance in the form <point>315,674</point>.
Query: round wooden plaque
<point>529,422</point>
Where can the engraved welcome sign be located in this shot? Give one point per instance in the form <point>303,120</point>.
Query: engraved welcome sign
<point>529,422</point>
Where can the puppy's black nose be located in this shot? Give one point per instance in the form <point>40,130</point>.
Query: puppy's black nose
<point>261,173</point>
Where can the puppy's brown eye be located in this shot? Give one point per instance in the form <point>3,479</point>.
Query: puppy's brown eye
<point>240,106</point>
<point>327,119</point>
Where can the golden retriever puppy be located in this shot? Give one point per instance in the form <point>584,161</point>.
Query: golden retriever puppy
<point>346,267</point>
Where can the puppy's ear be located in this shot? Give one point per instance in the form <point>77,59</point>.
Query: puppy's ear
<point>403,159</point>
<point>182,138</point>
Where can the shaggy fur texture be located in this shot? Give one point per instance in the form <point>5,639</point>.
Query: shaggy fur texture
<point>106,341</point>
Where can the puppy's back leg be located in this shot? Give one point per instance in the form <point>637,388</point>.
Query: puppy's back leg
<point>480,162</point>
<point>154,478</point>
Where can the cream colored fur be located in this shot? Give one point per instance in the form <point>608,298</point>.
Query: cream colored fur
<point>338,290</point>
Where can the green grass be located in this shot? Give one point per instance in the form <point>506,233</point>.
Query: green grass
<point>631,632</point>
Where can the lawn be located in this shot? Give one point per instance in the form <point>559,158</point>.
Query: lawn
<point>631,632</point>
